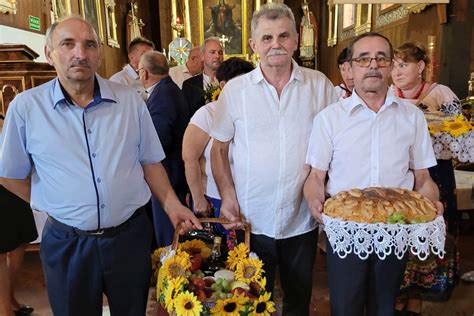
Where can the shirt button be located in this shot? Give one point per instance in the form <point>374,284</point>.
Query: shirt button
<point>99,180</point>
<point>89,131</point>
<point>93,155</point>
<point>102,206</point>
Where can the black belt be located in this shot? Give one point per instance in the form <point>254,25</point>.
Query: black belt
<point>101,232</point>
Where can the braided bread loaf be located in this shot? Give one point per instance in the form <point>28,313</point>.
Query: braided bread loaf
<point>380,205</point>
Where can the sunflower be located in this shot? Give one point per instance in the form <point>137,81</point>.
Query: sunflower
<point>237,254</point>
<point>261,283</point>
<point>248,270</point>
<point>435,128</point>
<point>457,127</point>
<point>230,306</point>
<point>215,94</point>
<point>176,266</point>
<point>196,246</point>
<point>187,304</point>
<point>171,291</point>
<point>263,306</point>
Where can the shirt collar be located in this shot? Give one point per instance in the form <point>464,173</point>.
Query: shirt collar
<point>185,69</point>
<point>354,101</point>
<point>102,93</point>
<point>131,72</point>
<point>296,73</point>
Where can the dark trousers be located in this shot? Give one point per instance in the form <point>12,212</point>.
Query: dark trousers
<point>363,287</point>
<point>79,269</point>
<point>294,258</point>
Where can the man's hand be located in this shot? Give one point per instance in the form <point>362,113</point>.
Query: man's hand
<point>439,207</point>
<point>184,215</point>
<point>201,205</point>
<point>316,208</point>
<point>230,210</point>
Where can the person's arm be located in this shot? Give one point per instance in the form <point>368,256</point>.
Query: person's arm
<point>157,179</point>
<point>314,192</point>
<point>194,143</point>
<point>426,186</point>
<point>221,171</point>
<point>19,187</point>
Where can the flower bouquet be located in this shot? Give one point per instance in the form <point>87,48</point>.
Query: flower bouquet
<point>237,288</point>
<point>211,92</point>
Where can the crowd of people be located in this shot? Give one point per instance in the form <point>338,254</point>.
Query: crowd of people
<point>277,142</point>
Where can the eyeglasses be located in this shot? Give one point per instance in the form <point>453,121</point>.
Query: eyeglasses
<point>138,70</point>
<point>381,61</point>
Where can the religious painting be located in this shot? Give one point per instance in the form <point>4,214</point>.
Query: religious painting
<point>348,16</point>
<point>111,29</point>
<point>61,9</point>
<point>91,11</point>
<point>363,19</point>
<point>225,19</point>
<point>332,27</point>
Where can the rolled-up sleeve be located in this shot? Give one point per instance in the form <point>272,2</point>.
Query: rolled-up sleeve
<point>223,128</point>
<point>320,148</point>
<point>15,161</point>
<point>421,154</point>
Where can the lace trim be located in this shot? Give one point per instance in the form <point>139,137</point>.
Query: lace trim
<point>362,239</point>
<point>446,146</point>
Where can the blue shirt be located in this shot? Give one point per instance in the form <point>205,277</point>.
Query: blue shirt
<point>86,164</point>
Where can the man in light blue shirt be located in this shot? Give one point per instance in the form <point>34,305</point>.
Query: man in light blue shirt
<point>93,155</point>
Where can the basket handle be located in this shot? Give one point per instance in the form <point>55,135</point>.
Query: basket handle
<point>224,221</point>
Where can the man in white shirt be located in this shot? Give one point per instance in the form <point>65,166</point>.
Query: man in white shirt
<point>129,75</point>
<point>212,55</point>
<point>372,139</point>
<point>267,116</point>
<point>191,68</point>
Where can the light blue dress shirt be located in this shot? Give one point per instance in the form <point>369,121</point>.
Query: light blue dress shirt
<point>86,164</point>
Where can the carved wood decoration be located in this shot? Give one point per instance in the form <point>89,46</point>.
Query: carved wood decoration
<point>18,72</point>
<point>111,24</point>
<point>8,6</point>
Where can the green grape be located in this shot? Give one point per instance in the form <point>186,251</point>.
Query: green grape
<point>225,284</point>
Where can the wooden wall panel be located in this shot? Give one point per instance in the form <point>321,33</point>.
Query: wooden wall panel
<point>113,58</point>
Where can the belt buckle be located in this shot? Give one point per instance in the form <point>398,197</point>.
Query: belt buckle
<point>98,232</point>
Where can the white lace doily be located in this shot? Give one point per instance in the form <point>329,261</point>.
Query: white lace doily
<point>446,146</point>
<point>362,239</point>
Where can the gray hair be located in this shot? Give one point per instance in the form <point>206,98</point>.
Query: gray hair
<point>273,11</point>
<point>155,63</point>
<point>52,28</point>
<point>207,40</point>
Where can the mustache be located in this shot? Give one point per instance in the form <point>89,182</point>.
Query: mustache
<point>79,62</point>
<point>373,73</point>
<point>277,52</point>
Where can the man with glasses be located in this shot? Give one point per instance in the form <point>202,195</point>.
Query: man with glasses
<point>371,139</point>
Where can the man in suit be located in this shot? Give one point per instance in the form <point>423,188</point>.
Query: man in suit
<point>212,55</point>
<point>169,113</point>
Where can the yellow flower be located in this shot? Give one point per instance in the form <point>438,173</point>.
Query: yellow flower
<point>229,307</point>
<point>435,128</point>
<point>172,289</point>
<point>215,94</point>
<point>263,306</point>
<point>457,127</point>
<point>187,304</point>
<point>237,254</point>
<point>176,266</point>
<point>194,246</point>
<point>155,257</point>
<point>262,283</point>
<point>248,270</point>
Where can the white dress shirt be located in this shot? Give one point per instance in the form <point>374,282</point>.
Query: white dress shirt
<point>179,74</point>
<point>129,77</point>
<point>361,148</point>
<point>270,138</point>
